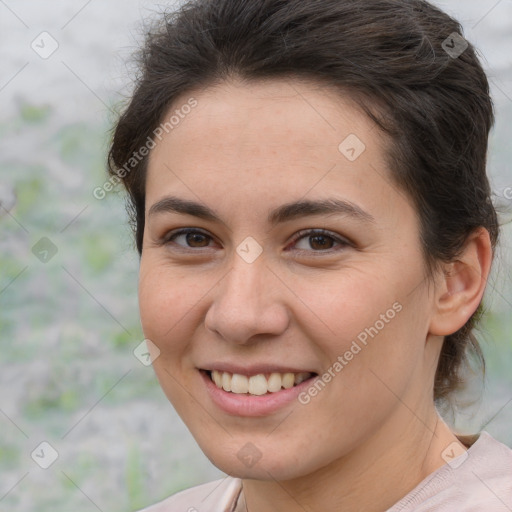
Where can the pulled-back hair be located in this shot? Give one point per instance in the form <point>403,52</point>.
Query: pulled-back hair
<point>405,64</point>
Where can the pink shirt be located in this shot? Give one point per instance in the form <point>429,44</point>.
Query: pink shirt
<point>478,480</point>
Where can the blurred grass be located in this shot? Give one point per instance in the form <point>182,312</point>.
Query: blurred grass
<point>135,479</point>
<point>34,113</point>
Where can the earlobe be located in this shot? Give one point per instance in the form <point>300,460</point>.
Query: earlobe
<point>460,290</point>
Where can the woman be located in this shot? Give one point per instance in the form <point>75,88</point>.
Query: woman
<point>310,202</point>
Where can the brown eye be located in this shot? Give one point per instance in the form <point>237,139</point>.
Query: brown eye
<point>196,239</point>
<point>190,239</point>
<point>318,240</point>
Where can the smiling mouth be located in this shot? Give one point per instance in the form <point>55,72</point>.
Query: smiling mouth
<point>257,385</point>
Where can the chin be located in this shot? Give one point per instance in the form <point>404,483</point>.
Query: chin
<point>245,460</point>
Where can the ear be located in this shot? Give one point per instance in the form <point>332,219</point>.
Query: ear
<point>461,287</point>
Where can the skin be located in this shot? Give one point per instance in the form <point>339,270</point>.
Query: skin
<point>372,434</point>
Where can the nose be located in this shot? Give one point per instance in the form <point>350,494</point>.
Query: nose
<point>248,304</point>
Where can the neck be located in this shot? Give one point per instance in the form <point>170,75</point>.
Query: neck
<point>372,477</point>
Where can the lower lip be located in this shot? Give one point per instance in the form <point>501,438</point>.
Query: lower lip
<point>250,405</point>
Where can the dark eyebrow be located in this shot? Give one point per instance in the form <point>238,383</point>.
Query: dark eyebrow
<point>294,210</point>
<point>283,213</point>
<point>171,204</point>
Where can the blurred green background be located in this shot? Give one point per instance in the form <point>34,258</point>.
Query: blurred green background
<point>68,269</point>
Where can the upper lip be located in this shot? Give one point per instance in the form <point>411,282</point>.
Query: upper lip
<point>253,369</point>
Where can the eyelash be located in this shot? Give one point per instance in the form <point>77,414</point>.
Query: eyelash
<point>298,236</point>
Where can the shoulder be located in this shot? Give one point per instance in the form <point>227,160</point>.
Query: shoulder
<point>479,479</point>
<point>217,496</point>
<point>491,466</point>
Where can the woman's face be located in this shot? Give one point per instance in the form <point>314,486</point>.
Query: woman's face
<point>254,171</point>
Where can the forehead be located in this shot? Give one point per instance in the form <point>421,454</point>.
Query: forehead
<point>270,140</point>
<point>281,112</point>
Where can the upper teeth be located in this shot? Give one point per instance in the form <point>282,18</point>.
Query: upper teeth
<point>257,384</point>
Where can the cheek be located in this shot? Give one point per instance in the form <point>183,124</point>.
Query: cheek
<point>336,309</point>
<point>380,361</point>
<point>366,327</point>
<point>165,312</point>
<point>163,302</point>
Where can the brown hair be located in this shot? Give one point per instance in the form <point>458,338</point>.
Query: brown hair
<point>396,58</point>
